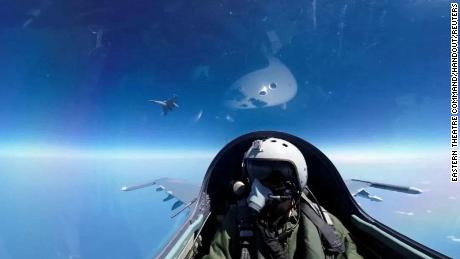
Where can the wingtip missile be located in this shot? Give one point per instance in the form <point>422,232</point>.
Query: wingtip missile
<point>391,187</point>
<point>415,190</point>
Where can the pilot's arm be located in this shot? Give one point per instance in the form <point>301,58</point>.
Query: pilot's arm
<point>224,242</point>
<point>351,251</point>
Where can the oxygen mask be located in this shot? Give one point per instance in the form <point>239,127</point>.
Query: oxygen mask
<point>272,185</point>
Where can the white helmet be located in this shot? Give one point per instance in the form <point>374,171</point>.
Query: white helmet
<point>277,150</point>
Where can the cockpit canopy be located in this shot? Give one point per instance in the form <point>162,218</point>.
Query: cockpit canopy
<point>324,180</point>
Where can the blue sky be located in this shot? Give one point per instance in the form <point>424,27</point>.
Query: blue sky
<point>375,78</point>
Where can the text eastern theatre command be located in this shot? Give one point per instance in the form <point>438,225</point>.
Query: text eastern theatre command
<point>454,91</point>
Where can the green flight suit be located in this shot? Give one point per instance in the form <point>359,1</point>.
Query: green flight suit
<point>304,241</point>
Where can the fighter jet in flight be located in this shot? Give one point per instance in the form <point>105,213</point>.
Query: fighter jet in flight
<point>207,203</point>
<point>167,105</point>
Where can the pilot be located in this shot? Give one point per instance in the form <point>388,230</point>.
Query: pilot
<point>274,218</point>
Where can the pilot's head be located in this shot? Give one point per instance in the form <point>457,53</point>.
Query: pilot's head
<point>277,172</point>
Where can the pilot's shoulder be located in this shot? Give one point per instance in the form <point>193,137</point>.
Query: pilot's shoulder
<point>329,217</point>
<point>339,227</point>
<point>351,251</point>
<point>229,220</point>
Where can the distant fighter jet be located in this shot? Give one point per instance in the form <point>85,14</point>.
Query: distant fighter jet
<point>167,105</point>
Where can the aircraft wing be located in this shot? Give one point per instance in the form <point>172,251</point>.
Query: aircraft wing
<point>184,192</point>
<point>164,106</point>
<point>359,188</point>
<point>162,103</point>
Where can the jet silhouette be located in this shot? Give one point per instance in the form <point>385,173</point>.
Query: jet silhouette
<point>167,105</point>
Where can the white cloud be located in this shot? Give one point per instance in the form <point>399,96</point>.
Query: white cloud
<point>198,116</point>
<point>405,213</point>
<point>452,198</point>
<point>284,106</point>
<point>229,118</point>
<point>454,238</point>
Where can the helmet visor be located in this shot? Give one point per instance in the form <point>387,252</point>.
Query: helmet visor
<point>271,172</point>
